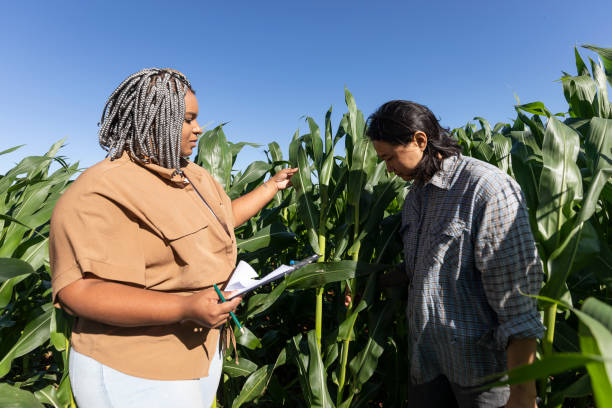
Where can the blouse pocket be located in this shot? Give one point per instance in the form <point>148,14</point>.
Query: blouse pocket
<point>446,242</point>
<point>185,241</point>
<point>175,232</point>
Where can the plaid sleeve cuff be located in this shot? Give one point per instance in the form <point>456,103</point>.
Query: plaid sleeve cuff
<point>524,326</point>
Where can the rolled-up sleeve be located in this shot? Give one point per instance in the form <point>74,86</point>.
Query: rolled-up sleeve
<point>507,258</point>
<point>90,233</point>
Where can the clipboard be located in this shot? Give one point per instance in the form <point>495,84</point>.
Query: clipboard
<point>244,279</point>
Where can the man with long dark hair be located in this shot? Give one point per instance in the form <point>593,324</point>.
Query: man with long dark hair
<point>469,258</point>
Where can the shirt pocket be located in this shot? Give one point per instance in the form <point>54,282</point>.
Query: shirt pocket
<point>446,242</point>
<point>186,239</point>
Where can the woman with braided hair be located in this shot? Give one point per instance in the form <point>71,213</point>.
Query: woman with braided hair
<point>136,244</point>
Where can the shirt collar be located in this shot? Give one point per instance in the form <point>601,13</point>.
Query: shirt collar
<point>443,178</point>
<point>163,172</point>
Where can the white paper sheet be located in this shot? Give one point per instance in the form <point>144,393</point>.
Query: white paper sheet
<point>245,279</point>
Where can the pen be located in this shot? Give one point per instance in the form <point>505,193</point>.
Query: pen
<point>231,313</point>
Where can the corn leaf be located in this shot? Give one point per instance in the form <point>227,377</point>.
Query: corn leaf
<point>293,149</point>
<point>11,149</point>
<point>34,334</point>
<point>297,352</point>
<point>255,172</point>
<point>363,163</point>
<point>580,388</point>
<point>242,368</point>
<point>49,395</point>
<point>307,211</point>
<point>384,193</point>
<point>596,338</point>
<point>37,253</point>
<point>560,181</point>
<point>32,199</point>
<point>319,274</point>
<point>274,235</point>
<point>581,67</point>
<point>535,108</point>
<point>527,168</point>
<point>257,382</point>
<point>236,148</point>
<point>59,329</point>
<point>553,364</point>
<point>14,397</point>
<point>328,131</point>
<point>317,375</point>
<point>606,56</point>
<point>214,155</point>
<point>247,339</point>
<point>560,262</point>
<point>501,148</point>
<point>262,301</point>
<point>11,268</point>
<point>580,93</point>
<point>604,108</point>
<point>316,143</point>
<point>365,362</point>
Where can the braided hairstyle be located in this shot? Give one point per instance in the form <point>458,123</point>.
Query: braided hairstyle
<point>144,116</point>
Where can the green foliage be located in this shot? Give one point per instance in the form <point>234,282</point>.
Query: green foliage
<point>564,168</point>
<point>338,209</point>
<point>302,346</point>
<point>33,342</point>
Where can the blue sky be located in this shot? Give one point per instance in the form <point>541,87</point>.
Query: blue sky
<point>262,66</point>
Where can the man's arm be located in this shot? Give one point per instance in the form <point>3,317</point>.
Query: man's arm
<point>507,258</point>
<point>518,353</point>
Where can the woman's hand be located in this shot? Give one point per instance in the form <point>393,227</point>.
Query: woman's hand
<point>282,179</point>
<point>252,202</point>
<point>122,305</point>
<point>204,308</point>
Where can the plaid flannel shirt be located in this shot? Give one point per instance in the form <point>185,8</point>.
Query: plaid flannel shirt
<point>469,253</point>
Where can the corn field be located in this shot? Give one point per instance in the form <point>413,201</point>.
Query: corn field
<point>302,346</point>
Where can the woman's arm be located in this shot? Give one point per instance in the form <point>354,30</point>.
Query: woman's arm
<point>128,306</point>
<point>251,203</point>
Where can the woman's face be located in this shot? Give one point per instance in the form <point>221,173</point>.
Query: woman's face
<point>402,160</point>
<point>191,129</point>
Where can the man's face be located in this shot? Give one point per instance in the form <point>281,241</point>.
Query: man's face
<point>402,160</point>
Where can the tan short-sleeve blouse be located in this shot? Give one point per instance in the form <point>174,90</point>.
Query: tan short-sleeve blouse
<point>140,225</point>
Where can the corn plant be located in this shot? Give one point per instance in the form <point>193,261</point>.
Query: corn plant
<point>337,209</point>
<point>33,334</point>
<point>594,338</point>
<point>303,346</point>
<point>564,168</point>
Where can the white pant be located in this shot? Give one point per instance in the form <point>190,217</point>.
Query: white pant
<point>95,385</point>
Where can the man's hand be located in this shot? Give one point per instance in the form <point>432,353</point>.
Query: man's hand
<point>396,277</point>
<point>394,283</point>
